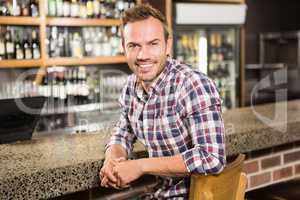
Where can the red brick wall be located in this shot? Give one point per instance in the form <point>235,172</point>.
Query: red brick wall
<point>272,165</point>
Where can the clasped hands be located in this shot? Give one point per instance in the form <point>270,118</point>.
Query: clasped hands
<point>119,173</point>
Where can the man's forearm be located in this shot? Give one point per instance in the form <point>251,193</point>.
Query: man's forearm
<point>115,151</point>
<point>163,166</point>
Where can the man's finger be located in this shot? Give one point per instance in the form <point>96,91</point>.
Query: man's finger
<point>109,174</point>
<point>104,181</point>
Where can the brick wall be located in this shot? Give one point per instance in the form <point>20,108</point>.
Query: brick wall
<point>273,165</point>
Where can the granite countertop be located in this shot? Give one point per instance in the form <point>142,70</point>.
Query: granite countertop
<point>46,167</point>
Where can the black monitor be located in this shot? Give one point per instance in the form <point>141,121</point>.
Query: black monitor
<point>18,118</point>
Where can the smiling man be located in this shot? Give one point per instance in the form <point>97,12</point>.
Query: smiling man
<point>173,110</point>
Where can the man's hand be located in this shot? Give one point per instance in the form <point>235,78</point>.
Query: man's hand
<point>106,174</point>
<point>127,171</point>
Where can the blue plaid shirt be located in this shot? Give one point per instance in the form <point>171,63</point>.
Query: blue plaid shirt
<point>181,114</point>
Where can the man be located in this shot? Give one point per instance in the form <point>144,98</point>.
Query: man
<point>169,107</point>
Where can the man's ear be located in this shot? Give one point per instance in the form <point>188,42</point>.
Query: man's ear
<point>169,46</point>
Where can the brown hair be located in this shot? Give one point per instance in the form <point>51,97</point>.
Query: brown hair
<point>142,12</point>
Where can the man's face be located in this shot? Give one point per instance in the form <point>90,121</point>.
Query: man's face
<point>146,48</point>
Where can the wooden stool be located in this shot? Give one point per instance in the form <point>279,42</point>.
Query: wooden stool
<point>230,184</point>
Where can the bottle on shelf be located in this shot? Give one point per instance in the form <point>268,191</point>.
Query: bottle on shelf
<point>76,46</point>
<point>25,9</point>
<point>35,45</point>
<point>9,45</point>
<point>83,9</point>
<point>66,8</point>
<point>52,8</point>
<point>89,8</point>
<point>34,11</point>
<point>59,8</point>
<point>2,44</point>
<point>27,47</point>
<point>75,8</point>
<point>19,48</point>
<point>16,10</point>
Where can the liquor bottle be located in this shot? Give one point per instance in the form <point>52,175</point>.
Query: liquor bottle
<point>83,9</point>
<point>120,6</point>
<point>3,9</point>
<point>59,8</point>
<point>19,48</point>
<point>52,8</point>
<point>2,45</point>
<point>74,8</point>
<point>227,47</point>
<point>35,45</point>
<point>89,8</point>
<point>77,46</point>
<point>96,7</point>
<point>24,9</point>
<point>60,44</point>
<point>34,12</point>
<point>53,42</point>
<point>66,45</point>
<point>213,47</point>
<point>103,9</point>
<point>16,10</point>
<point>27,47</point>
<point>9,45</point>
<point>88,43</point>
<point>67,8</point>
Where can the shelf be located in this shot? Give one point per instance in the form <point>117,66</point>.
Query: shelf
<point>86,60</point>
<point>11,20</point>
<point>20,63</point>
<point>66,21</point>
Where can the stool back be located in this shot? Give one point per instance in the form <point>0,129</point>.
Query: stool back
<point>230,184</point>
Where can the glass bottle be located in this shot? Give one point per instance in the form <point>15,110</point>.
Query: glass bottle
<point>89,8</point>
<point>9,45</point>
<point>66,8</point>
<point>59,8</point>
<point>35,45</point>
<point>75,8</point>
<point>96,7</point>
<point>77,45</point>
<point>34,12</point>
<point>52,8</point>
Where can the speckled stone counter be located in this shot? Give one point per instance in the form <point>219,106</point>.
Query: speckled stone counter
<point>47,167</point>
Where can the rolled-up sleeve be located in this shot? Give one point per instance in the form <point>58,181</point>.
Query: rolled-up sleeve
<point>122,133</point>
<point>201,106</point>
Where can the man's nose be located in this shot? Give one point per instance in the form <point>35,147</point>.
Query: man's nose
<point>143,53</point>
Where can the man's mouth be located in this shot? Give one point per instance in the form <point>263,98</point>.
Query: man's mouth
<point>144,68</point>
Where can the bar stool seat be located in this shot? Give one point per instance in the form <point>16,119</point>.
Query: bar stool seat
<point>230,184</point>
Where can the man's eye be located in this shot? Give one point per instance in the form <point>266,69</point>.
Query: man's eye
<point>131,46</point>
<point>154,43</point>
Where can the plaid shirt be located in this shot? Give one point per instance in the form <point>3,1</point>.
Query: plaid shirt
<point>181,114</point>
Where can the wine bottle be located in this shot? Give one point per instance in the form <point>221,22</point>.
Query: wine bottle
<point>19,48</point>
<point>59,8</point>
<point>89,8</point>
<point>2,45</point>
<point>27,47</point>
<point>9,45</point>
<point>96,7</point>
<point>67,8</point>
<point>52,8</point>
<point>35,45</point>
<point>34,12</point>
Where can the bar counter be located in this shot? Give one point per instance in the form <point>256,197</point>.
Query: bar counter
<point>51,166</point>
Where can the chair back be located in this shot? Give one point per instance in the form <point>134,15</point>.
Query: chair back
<point>230,184</point>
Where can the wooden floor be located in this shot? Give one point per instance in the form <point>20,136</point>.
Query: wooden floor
<point>284,191</point>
